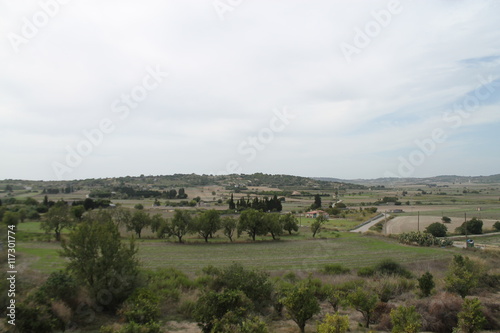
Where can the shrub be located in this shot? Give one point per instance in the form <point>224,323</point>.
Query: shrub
<point>335,269</point>
<point>426,284</point>
<point>391,267</point>
<point>168,282</point>
<point>232,324</point>
<point>462,276</point>
<point>254,284</point>
<point>406,320</point>
<point>141,307</point>
<point>439,312</point>
<point>423,239</point>
<point>186,308</point>
<point>364,302</point>
<point>496,225</point>
<point>437,229</point>
<point>471,318</point>
<point>59,285</point>
<point>388,289</point>
<point>446,219</point>
<point>211,306</point>
<point>366,271</point>
<point>32,317</point>
<point>334,323</point>
<point>474,226</point>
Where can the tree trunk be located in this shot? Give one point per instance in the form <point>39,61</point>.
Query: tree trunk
<point>58,235</point>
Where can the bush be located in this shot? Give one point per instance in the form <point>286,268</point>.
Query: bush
<point>437,229</point>
<point>496,226</point>
<point>474,226</point>
<point>32,317</point>
<point>212,306</point>
<point>169,282</point>
<point>388,289</point>
<point>439,312</point>
<point>471,319</point>
<point>391,267</point>
<point>423,239</point>
<point>366,271</point>
<point>426,284</point>
<point>406,320</point>
<point>462,276</point>
<point>334,269</point>
<point>254,284</point>
<point>59,285</point>
<point>141,307</point>
<point>334,323</point>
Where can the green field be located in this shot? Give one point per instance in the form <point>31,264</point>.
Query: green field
<point>352,250</point>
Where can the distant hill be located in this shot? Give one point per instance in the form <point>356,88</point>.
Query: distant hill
<point>164,182</point>
<point>428,180</point>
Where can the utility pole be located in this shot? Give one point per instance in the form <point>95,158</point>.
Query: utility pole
<point>418,221</point>
<point>465,227</point>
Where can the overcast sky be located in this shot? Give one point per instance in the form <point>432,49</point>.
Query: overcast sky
<point>346,89</point>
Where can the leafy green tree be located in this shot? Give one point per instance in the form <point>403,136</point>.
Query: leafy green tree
<point>335,296</point>
<point>122,216</point>
<point>405,320</point>
<point>290,223</point>
<point>437,229</point>
<point>317,202</point>
<point>228,225</point>
<point>77,212</point>
<point>474,226</point>
<point>317,224</point>
<point>232,205</point>
<point>57,218</point>
<point>274,225</point>
<point>181,224</point>
<point>471,319</point>
<point>139,206</point>
<point>253,222</point>
<point>334,323</point>
<point>156,222</point>
<point>207,223</point>
<point>10,218</point>
<point>363,301</point>
<point>462,276</point>
<point>182,194</point>
<point>426,284</point>
<point>99,260</point>
<point>139,220</point>
<point>301,303</point>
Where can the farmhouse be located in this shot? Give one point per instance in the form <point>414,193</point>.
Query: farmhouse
<point>315,213</point>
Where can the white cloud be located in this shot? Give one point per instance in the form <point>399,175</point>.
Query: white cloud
<point>225,78</point>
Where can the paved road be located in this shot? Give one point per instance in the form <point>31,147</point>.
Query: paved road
<point>367,226</point>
